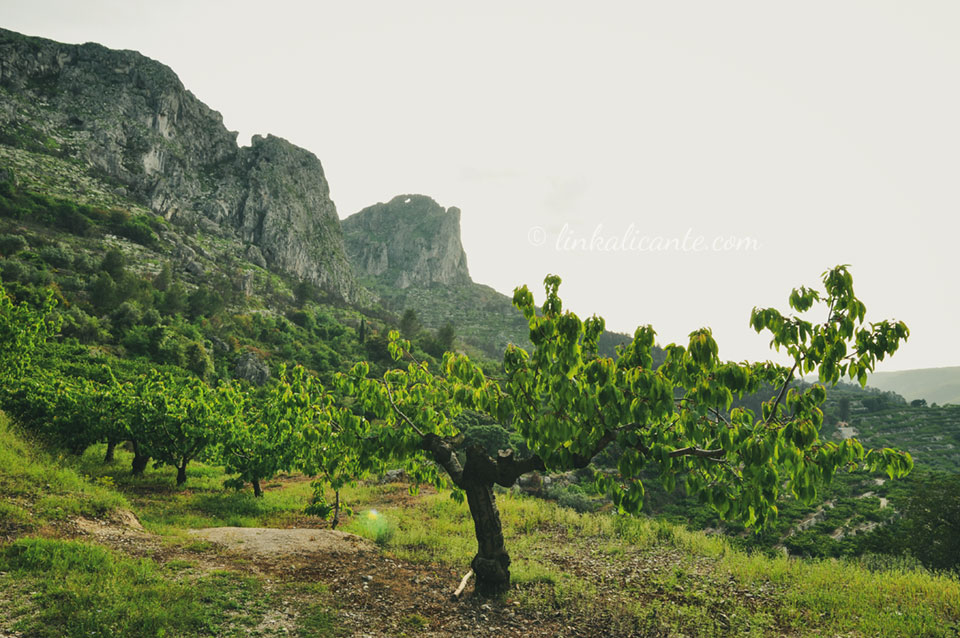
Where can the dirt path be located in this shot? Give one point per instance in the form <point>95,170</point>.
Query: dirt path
<point>846,431</point>
<point>269,542</point>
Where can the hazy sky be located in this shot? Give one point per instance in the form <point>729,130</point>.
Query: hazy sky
<point>623,146</point>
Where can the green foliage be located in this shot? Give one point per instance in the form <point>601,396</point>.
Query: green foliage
<point>114,264</point>
<point>410,325</point>
<point>173,420</point>
<point>676,420</point>
<point>574,497</point>
<point>81,590</point>
<point>266,434</point>
<point>12,244</point>
<point>198,360</point>
<point>23,330</point>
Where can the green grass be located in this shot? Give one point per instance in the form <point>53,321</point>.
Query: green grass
<point>36,489</point>
<point>201,502</point>
<point>72,589</point>
<point>628,576</point>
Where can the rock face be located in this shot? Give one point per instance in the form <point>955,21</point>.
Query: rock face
<point>409,241</point>
<point>130,119</point>
<point>286,211</point>
<point>252,369</point>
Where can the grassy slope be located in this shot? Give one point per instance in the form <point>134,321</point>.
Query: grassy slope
<point>52,586</point>
<point>36,491</point>
<point>936,385</point>
<point>597,573</point>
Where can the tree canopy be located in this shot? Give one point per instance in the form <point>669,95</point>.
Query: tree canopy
<point>569,404</point>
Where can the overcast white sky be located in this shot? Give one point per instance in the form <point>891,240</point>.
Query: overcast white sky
<point>816,133</point>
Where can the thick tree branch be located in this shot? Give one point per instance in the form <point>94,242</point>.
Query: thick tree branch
<point>698,452</point>
<point>399,412</point>
<point>505,470</point>
<point>581,461</point>
<point>445,456</point>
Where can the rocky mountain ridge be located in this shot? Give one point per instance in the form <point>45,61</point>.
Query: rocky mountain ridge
<point>129,120</point>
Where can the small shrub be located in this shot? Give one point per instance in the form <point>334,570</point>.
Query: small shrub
<point>12,244</point>
<point>377,527</point>
<point>573,497</point>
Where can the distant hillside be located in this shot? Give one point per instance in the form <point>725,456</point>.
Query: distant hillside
<point>936,385</point>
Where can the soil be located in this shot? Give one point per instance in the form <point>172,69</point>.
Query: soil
<point>267,542</point>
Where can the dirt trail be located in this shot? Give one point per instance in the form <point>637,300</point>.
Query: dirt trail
<point>269,542</point>
<point>846,431</point>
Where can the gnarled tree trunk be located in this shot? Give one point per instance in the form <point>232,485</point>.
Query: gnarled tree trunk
<point>257,492</point>
<point>111,445</point>
<point>140,460</point>
<point>477,478</point>
<point>182,472</point>
<point>492,563</point>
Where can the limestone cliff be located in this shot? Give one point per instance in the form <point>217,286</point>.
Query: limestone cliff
<point>129,119</point>
<point>409,241</point>
<point>286,210</point>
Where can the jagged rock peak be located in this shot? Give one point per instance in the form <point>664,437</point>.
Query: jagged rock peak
<point>130,119</point>
<point>286,210</point>
<point>409,241</point>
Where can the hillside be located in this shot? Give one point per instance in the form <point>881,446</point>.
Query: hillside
<point>408,252</point>
<point>934,385</point>
<point>93,569</point>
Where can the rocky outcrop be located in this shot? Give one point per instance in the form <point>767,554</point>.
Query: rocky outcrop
<point>250,368</point>
<point>130,120</point>
<point>287,212</point>
<point>123,114</point>
<point>409,241</point>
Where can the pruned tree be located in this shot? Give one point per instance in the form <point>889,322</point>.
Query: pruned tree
<point>340,446</point>
<point>569,404</point>
<point>264,434</point>
<point>172,421</point>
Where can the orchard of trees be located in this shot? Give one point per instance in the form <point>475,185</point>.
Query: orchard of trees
<point>562,399</point>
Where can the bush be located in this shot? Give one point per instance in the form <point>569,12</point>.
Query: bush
<point>125,317</point>
<point>137,230</point>
<point>572,496</point>
<point>56,256</point>
<point>931,520</point>
<point>139,340</point>
<point>10,245</point>
<point>82,327</point>
<point>198,360</point>
<point>14,271</point>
